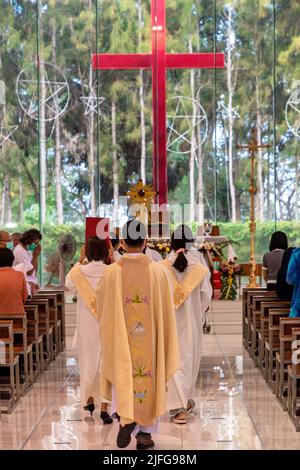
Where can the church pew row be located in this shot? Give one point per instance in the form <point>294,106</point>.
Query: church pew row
<point>271,337</point>
<point>9,368</point>
<point>293,399</point>
<point>37,339</point>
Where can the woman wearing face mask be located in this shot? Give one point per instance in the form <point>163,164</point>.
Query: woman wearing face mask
<point>28,252</point>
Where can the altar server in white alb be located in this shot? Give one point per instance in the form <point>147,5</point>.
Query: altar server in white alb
<point>82,281</point>
<point>192,296</point>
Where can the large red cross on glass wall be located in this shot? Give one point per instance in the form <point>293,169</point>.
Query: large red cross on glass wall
<point>159,61</point>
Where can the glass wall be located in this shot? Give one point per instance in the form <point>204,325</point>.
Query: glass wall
<point>73,139</point>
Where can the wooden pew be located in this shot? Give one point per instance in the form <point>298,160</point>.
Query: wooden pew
<point>53,320</point>
<point>60,296</point>
<point>284,358</point>
<point>263,329</point>
<point>9,368</point>
<point>294,381</point>
<point>35,337</point>
<point>271,344</point>
<point>245,292</point>
<point>23,348</point>
<point>44,327</point>
<point>254,320</point>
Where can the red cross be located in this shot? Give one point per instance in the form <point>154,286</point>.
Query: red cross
<point>159,61</point>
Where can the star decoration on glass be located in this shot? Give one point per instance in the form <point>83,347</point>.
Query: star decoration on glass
<point>92,103</point>
<point>182,125</point>
<point>6,134</point>
<point>56,90</point>
<point>292,112</point>
<point>226,113</point>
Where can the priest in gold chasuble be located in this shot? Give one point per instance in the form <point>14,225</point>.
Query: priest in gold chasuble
<point>140,351</point>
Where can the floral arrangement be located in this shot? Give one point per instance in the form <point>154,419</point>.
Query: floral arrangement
<point>229,270</point>
<point>162,246</point>
<point>209,247</point>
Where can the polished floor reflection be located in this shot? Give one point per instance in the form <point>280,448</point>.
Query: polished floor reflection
<point>235,410</point>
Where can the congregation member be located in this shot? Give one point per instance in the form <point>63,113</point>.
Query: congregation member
<point>13,289</point>
<point>82,281</point>
<point>272,260</point>
<point>28,252</point>
<point>116,245</point>
<point>139,342</point>
<point>153,254</point>
<point>293,278</point>
<point>4,239</point>
<point>283,289</point>
<point>15,237</point>
<point>192,289</point>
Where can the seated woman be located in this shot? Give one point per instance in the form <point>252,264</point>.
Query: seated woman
<point>272,260</point>
<point>190,279</point>
<point>82,281</point>
<point>28,252</point>
<point>13,290</point>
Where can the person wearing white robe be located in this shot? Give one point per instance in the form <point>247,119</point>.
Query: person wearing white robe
<point>154,255</point>
<point>189,317</point>
<point>87,338</point>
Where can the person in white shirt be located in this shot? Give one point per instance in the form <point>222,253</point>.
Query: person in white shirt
<point>190,278</point>
<point>28,252</point>
<point>82,281</point>
<point>6,242</point>
<point>154,255</point>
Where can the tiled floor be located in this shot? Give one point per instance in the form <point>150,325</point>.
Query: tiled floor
<point>235,410</point>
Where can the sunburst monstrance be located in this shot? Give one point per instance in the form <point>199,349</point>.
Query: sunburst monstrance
<point>142,194</point>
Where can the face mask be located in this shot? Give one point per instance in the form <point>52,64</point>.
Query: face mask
<point>31,247</point>
<point>10,245</point>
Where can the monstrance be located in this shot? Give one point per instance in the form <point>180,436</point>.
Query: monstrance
<point>141,198</point>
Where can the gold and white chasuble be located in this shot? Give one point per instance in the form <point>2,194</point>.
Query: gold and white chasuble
<point>138,336</point>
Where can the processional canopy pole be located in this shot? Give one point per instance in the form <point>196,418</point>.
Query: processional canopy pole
<point>252,148</point>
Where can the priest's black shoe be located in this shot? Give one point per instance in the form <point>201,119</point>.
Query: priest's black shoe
<point>105,417</point>
<point>144,441</point>
<point>90,407</point>
<point>124,435</point>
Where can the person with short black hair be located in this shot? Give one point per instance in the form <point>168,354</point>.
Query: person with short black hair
<point>27,253</point>
<point>13,290</point>
<point>192,296</point>
<point>138,336</point>
<point>82,281</point>
<point>272,260</point>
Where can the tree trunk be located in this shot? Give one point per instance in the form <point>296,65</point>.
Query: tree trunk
<point>142,100</point>
<point>21,196</point>
<point>296,187</point>
<point>230,116</point>
<point>42,124</point>
<point>91,158</point>
<point>2,214</point>
<point>192,153</point>
<point>7,200</point>
<point>90,134</point>
<point>115,162</point>
<point>200,185</point>
<point>58,187</point>
<point>260,184</point>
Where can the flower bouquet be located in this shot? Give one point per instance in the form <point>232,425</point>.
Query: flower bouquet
<point>162,246</point>
<point>228,271</point>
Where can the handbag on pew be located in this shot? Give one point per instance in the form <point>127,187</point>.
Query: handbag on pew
<point>206,323</point>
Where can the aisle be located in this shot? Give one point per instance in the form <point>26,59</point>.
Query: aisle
<point>235,410</point>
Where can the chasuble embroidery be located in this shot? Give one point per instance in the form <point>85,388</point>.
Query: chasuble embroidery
<point>138,318</point>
